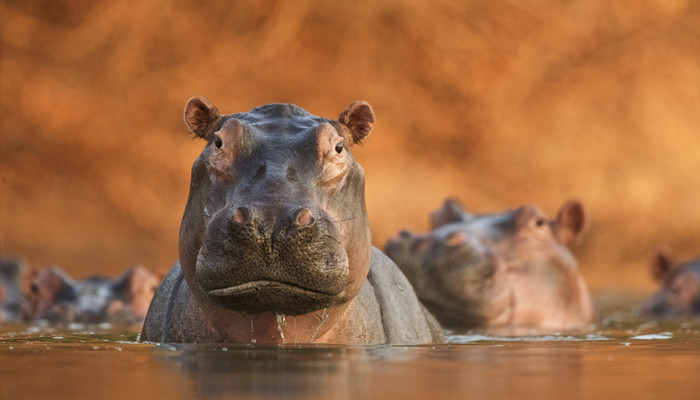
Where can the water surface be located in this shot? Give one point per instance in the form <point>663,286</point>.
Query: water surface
<point>619,358</point>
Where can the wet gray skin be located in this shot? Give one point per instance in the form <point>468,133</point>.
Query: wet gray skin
<point>679,295</point>
<point>275,243</point>
<point>58,298</point>
<point>510,269</point>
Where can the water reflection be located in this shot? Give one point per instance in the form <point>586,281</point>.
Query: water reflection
<point>589,366</point>
<point>267,371</point>
<point>285,371</point>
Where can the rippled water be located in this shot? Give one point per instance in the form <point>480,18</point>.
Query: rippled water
<point>623,358</point>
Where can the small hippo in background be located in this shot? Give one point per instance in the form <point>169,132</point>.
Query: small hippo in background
<point>57,298</point>
<point>14,306</point>
<point>679,295</point>
<point>275,243</point>
<point>511,269</point>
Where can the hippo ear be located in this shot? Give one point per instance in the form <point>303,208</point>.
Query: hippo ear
<point>662,264</point>
<point>358,118</point>
<point>571,221</point>
<point>200,116</point>
<point>451,211</point>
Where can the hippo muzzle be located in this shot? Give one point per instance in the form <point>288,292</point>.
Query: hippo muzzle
<point>287,260</point>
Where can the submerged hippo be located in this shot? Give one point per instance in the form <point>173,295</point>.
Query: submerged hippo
<point>275,242</point>
<point>511,269</point>
<point>14,306</point>
<point>679,295</point>
<point>57,298</point>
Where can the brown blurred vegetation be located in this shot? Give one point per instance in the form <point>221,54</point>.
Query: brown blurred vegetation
<point>495,102</point>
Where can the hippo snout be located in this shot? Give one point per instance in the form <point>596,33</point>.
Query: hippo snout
<point>273,259</point>
<point>281,232</point>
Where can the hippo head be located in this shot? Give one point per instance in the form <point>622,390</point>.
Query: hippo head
<point>275,221</point>
<point>455,274</point>
<point>13,304</point>
<point>511,268</point>
<point>57,297</point>
<point>679,295</point>
<point>53,295</point>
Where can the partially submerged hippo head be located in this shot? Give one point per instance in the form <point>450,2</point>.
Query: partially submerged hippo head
<point>679,295</point>
<point>14,306</point>
<point>275,243</point>
<point>276,219</point>
<point>506,269</point>
<point>58,298</point>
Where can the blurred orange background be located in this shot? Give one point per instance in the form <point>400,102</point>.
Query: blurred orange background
<point>497,103</point>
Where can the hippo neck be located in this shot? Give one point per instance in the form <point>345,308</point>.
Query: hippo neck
<point>348,322</point>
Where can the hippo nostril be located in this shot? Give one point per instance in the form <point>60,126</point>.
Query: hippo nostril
<point>242,215</point>
<point>304,217</point>
<point>405,234</point>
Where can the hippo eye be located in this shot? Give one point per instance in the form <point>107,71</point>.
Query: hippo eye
<point>339,147</point>
<point>218,142</point>
<point>540,222</point>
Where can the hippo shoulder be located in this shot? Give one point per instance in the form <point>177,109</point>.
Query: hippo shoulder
<point>173,315</point>
<point>153,323</point>
<point>404,318</point>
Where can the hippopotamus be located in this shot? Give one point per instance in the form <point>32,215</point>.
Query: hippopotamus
<point>679,295</point>
<point>14,306</point>
<point>58,298</point>
<point>510,270</point>
<point>275,245</point>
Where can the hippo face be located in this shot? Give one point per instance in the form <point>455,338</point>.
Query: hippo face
<point>455,274</point>
<point>679,295</point>
<point>511,268</point>
<point>59,298</point>
<point>276,219</point>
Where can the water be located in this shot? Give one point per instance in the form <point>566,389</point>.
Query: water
<point>281,322</point>
<point>620,358</point>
